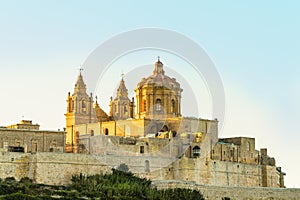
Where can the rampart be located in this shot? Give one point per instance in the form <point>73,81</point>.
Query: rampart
<point>58,168</point>
<point>233,193</point>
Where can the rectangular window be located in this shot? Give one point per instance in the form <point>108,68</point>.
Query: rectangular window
<point>34,147</point>
<point>142,150</point>
<point>5,145</point>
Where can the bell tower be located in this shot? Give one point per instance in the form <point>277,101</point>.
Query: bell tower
<point>121,107</point>
<point>79,109</point>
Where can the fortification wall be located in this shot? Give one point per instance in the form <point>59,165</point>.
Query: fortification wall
<point>234,193</point>
<point>14,165</point>
<point>49,168</point>
<point>217,173</point>
<point>210,177</point>
<point>57,168</point>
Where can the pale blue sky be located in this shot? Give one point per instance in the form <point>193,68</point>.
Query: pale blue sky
<point>255,47</point>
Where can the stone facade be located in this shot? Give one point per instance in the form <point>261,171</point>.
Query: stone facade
<point>184,157</point>
<point>58,168</point>
<point>26,137</point>
<point>25,124</point>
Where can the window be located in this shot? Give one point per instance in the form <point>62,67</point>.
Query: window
<point>106,131</point>
<point>196,151</point>
<point>173,106</point>
<point>142,149</point>
<point>248,146</point>
<point>158,106</point>
<point>83,105</point>
<point>34,147</point>
<point>5,145</point>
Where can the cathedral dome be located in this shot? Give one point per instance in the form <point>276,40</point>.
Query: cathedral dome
<point>159,79</point>
<point>158,96</point>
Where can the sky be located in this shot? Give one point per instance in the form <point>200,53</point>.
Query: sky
<point>254,46</point>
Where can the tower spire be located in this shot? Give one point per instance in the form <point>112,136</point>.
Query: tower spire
<point>80,85</point>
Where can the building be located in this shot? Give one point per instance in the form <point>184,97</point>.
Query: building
<point>151,136</point>
<point>26,137</point>
<point>157,109</point>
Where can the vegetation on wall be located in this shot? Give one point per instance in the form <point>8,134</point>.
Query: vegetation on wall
<point>117,185</point>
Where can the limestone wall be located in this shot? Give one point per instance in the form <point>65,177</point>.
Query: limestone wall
<point>14,165</point>
<point>234,193</point>
<point>32,140</point>
<point>218,173</point>
<point>57,168</point>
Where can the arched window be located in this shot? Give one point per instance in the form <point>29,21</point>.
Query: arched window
<point>158,106</point>
<point>173,106</point>
<point>83,105</point>
<point>106,132</point>
<point>196,151</point>
<point>248,146</point>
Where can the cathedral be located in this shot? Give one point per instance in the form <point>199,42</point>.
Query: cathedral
<point>150,135</point>
<point>155,108</point>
